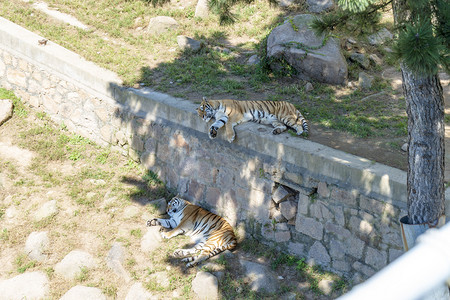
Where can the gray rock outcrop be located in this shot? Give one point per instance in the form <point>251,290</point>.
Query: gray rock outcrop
<point>296,44</point>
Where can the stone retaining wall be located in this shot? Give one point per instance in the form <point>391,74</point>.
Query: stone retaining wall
<point>335,209</point>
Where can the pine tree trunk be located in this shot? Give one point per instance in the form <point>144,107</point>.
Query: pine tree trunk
<point>425,183</point>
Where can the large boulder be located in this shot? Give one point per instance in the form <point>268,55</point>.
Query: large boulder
<point>295,43</point>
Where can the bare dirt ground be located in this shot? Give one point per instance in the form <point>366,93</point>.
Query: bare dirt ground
<point>380,149</point>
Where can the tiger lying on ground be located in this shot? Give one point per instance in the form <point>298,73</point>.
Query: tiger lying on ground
<point>214,233</point>
<point>230,113</point>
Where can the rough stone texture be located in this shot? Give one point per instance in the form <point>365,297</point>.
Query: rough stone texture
<point>310,227</point>
<point>161,24</point>
<point>138,292</point>
<point>151,240</point>
<point>31,285</point>
<point>36,245</point>
<point>288,209</point>
<point>205,286</point>
<point>115,259</point>
<point>318,254</point>
<point>361,59</point>
<point>296,248</point>
<point>325,64</point>
<point>375,258</point>
<point>6,110</point>
<point>48,209</point>
<point>260,277</point>
<point>188,44</point>
<point>201,9</point>
<point>83,292</point>
<point>253,60</point>
<point>365,80</point>
<point>323,190</point>
<point>318,6</point>
<point>380,37</point>
<point>72,264</point>
<point>280,194</point>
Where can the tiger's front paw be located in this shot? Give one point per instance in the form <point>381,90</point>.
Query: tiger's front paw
<point>179,253</point>
<point>213,132</point>
<point>153,222</point>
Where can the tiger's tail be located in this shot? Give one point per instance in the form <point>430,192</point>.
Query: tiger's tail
<point>301,124</point>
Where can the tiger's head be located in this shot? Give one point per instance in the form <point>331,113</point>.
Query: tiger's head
<point>205,110</point>
<point>175,205</point>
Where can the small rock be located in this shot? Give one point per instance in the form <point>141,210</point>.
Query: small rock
<point>205,286</point>
<point>161,24</point>
<point>375,59</point>
<point>115,259</point>
<point>186,43</point>
<point>351,41</point>
<point>365,81</point>
<point>380,37</point>
<point>326,286</point>
<point>31,285</point>
<point>405,147</point>
<point>277,215</point>
<point>308,87</point>
<point>35,246</point>
<point>6,110</point>
<point>202,10</point>
<point>288,209</point>
<point>72,264</point>
<point>388,50</point>
<point>253,60</point>
<point>361,59</point>
<point>160,205</point>
<point>280,194</point>
<point>151,240</point>
<point>47,210</point>
<point>138,292</point>
<point>260,277</point>
<point>83,292</point>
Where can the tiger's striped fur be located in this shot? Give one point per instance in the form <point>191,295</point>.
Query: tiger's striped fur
<point>230,113</point>
<point>214,233</point>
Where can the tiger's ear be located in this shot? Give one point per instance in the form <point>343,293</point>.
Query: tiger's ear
<point>204,99</point>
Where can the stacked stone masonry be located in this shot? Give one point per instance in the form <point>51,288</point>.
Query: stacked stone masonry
<point>337,210</point>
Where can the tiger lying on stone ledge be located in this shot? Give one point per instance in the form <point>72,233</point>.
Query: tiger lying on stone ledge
<point>230,113</point>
